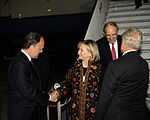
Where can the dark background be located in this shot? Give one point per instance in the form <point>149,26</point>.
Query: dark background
<point>61,32</point>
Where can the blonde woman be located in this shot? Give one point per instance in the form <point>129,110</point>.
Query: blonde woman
<point>83,81</point>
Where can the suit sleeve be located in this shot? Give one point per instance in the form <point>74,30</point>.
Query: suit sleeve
<point>109,86</point>
<point>66,84</point>
<point>22,76</point>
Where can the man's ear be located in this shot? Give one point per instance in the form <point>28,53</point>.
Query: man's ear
<point>31,47</point>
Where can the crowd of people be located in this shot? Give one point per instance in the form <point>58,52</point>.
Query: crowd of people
<point>108,81</point>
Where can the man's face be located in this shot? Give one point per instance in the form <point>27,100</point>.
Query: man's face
<point>37,49</point>
<point>111,34</point>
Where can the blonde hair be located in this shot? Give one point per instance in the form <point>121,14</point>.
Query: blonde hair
<point>91,47</point>
<point>133,38</point>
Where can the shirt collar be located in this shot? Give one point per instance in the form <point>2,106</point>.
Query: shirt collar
<point>115,43</point>
<point>127,52</point>
<point>26,54</point>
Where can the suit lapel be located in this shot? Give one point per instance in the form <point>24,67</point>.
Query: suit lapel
<point>33,69</point>
<point>36,74</point>
<point>107,49</point>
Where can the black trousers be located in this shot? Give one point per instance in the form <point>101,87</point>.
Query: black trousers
<point>139,2</point>
<point>19,112</point>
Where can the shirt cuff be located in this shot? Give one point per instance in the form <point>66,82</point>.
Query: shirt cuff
<point>49,97</point>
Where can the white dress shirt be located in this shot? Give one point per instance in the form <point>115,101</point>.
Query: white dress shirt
<point>116,48</point>
<point>26,54</point>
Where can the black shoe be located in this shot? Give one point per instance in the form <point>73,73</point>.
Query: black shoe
<point>138,6</point>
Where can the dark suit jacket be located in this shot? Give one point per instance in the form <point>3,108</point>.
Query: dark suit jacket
<point>124,89</point>
<point>24,89</point>
<point>105,52</point>
<point>43,68</point>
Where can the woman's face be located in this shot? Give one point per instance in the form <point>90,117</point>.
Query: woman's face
<point>83,53</point>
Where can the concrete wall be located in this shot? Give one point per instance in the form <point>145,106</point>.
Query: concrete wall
<point>95,28</point>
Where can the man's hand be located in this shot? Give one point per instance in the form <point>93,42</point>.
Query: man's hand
<point>54,96</point>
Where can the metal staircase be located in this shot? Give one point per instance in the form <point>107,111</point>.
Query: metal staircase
<point>124,14</point>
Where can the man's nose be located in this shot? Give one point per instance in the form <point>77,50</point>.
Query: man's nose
<point>111,36</point>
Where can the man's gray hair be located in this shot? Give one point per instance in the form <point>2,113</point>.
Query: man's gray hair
<point>133,38</point>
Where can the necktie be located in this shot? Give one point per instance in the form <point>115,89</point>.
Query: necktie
<point>32,62</point>
<point>113,52</point>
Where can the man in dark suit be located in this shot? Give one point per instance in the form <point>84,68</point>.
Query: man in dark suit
<point>138,3</point>
<point>125,83</point>
<point>25,94</point>
<point>43,68</point>
<point>105,43</point>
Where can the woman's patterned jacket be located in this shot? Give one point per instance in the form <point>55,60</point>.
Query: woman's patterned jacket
<point>84,95</point>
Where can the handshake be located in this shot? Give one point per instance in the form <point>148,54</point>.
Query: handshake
<point>54,96</point>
